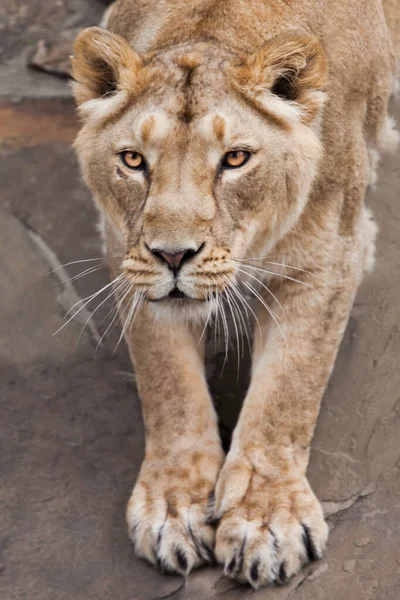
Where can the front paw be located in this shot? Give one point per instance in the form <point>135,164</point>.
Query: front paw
<point>169,510</point>
<point>268,528</point>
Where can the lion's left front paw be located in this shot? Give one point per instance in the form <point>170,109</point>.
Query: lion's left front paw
<point>268,529</point>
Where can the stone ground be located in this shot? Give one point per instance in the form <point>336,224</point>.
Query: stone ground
<point>72,435</point>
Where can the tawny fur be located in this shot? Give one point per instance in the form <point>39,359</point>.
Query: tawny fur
<point>304,87</point>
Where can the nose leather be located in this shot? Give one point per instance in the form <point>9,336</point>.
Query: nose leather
<point>174,260</point>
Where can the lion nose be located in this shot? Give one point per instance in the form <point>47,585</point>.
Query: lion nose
<point>175,259</point>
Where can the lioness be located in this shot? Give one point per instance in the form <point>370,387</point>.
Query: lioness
<point>228,145</point>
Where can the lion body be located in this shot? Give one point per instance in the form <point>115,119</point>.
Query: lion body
<point>185,77</point>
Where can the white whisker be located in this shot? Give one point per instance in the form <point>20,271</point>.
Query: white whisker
<point>237,334</point>
<point>85,260</point>
<point>207,320</point>
<point>271,312</point>
<point>120,290</point>
<point>85,272</point>
<point>282,275</point>
<point>244,302</point>
<point>86,301</point>
<point>113,291</point>
<point>226,334</point>
<point>281,265</point>
<point>127,320</point>
<point>230,291</point>
<point>139,302</point>
<point>117,312</point>
<point>264,286</point>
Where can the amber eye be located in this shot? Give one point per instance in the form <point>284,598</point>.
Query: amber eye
<point>235,159</point>
<point>133,160</point>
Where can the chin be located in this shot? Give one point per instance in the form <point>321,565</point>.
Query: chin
<point>183,309</point>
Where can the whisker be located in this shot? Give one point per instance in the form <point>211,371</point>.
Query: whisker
<point>141,296</point>
<point>85,260</point>
<point>95,294</point>
<point>138,296</point>
<point>265,287</point>
<point>237,335</point>
<point>117,313</point>
<point>226,335</point>
<point>127,320</point>
<point>308,285</point>
<point>207,320</point>
<point>121,285</point>
<point>264,259</point>
<point>229,291</point>
<point>85,272</point>
<point>216,322</point>
<point>244,302</point>
<point>85,301</point>
<point>271,312</point>
<point>236,311</point>
<point>120,290</point>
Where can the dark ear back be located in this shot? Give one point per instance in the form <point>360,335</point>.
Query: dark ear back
<point>291,66</point>
<point>103,64</point>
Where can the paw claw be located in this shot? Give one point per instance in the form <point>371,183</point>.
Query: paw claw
<point>282,578</point>
<point>254,572</point>
<point>311,550</point>
<point>231,566</point>
<point>210,556</point>
<point>182,561</point>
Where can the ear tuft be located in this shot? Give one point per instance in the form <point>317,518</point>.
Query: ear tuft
<point>103,64</point>
<point>291,66</point>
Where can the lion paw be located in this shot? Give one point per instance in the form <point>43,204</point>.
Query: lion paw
<point>169,510</point>
<point>268,530</point>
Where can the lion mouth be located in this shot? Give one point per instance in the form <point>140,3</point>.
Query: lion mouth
<point>177,294</point>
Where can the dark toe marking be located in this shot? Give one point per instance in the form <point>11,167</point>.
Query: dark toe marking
<point>254,571</point>
<point>160,564</point>
<point>241,556</point>
<point>209,553</point>
<point>201,547</point>
<point>211,499</point>
<point>181,560</point>
<point>275,539</point>
<point>312,553</point>
<point>282,578</point>
<point>232,565</point>
<point>213,521</point>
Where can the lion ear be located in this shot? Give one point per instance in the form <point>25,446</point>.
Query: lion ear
<point>291,66</point>
<point>103,64</point>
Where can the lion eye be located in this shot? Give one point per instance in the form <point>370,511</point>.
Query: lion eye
<point>133,160</point>
<point>235,159</point>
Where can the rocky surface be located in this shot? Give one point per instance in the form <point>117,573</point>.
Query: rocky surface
<point>71,429</point>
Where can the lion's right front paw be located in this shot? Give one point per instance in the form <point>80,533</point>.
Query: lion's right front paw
<point>269,529</point>
<point>169,510</point>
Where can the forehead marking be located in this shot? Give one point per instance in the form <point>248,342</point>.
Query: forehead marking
<point>153,127</point>
<point>219,128</point>
<point>214,128</point>
<point>147,127</point>
<point>187,112</point>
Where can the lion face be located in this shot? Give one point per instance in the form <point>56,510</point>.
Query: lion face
<point>197,159</point>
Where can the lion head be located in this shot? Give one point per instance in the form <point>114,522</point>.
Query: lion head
<point>198,157</point>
